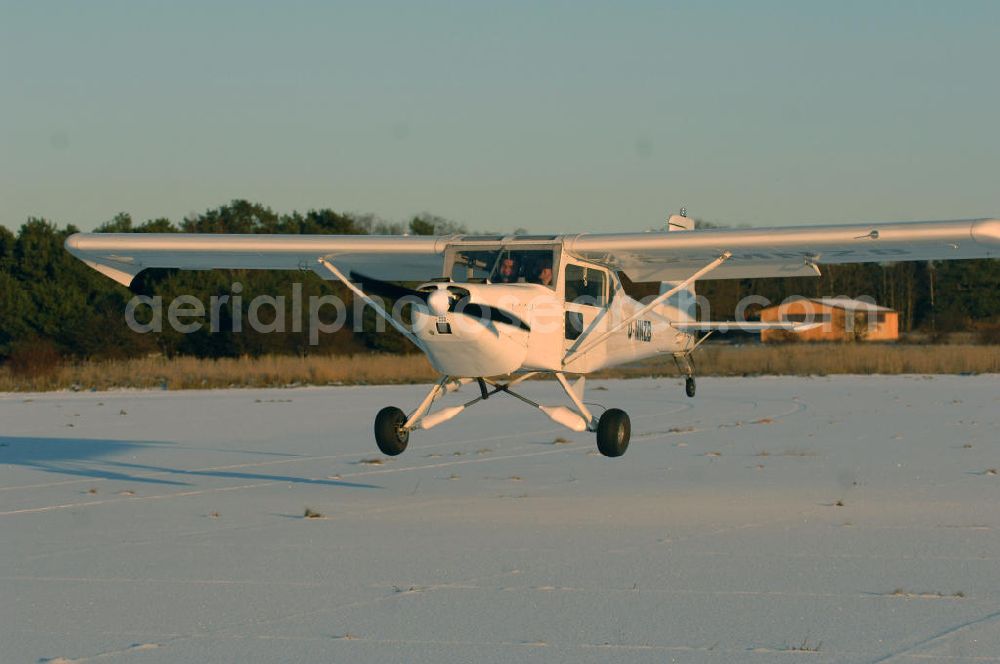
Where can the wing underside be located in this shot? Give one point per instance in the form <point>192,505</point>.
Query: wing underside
<point>786,252</point>
<point>121,256</point>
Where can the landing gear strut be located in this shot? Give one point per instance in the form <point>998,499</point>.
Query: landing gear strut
<point>613,429</point>
<point>686,367</point>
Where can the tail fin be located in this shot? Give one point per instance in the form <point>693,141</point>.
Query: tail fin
<point>683,301</point>
<point>680,222</point>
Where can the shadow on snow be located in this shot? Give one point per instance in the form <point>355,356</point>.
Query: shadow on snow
<point>87,457</point>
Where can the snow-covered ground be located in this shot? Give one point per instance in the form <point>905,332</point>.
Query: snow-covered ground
<point>842,519</point>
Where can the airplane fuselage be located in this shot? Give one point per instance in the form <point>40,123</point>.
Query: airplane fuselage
<point>469,346</point>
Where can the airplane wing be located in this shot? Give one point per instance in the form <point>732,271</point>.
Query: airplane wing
<point>785,252</point>
<point>655,256</point>
<point>121,256</point>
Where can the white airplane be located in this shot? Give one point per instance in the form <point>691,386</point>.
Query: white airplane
<point>497,310</point>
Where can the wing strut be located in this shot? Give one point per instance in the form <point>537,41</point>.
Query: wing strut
<point>582,350</point>
<point>374,305</point>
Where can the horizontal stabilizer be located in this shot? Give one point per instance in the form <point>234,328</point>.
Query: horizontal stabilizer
<point>754,327</point>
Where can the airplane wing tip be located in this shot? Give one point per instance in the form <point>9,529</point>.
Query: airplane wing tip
<point>986,231</point>
<point>73,242</point>
<point>124,277</point>
<point>120,271</point>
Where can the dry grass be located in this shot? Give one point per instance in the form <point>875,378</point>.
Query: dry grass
<point>901,592</point>
<point>805,646</point>
<point>280,371</point>
<point>823,359</point>
<point>192,373</point>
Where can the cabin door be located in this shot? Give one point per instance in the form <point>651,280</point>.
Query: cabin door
<point>585,289</point>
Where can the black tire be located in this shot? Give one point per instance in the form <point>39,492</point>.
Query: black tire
<point>613,432</point>
<point>689,386</point>
<point>389,432</point>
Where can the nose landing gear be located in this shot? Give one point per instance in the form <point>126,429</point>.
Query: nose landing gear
<point>686,366</point>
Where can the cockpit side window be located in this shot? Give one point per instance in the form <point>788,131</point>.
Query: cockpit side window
<point>586,285</point>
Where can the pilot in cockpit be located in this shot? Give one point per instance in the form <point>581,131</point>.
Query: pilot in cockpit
<point>507,272</point>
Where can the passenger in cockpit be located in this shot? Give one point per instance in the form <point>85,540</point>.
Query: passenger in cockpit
<point>543,273</point>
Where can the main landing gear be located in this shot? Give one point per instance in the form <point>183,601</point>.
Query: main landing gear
<point>686,366</point>
<point>390,432</point>
<point>613,428</point>
<point>613,432</point>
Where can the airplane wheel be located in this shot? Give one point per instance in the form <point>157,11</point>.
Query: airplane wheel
<point>613,432</point>
<point>689,386</point>
<point>389,432</point>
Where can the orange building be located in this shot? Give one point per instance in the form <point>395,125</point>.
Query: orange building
<point>840,318</point>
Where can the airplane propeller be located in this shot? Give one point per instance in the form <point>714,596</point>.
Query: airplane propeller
<point>440,300</point>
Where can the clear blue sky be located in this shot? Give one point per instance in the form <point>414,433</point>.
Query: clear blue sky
<point>558,116</point>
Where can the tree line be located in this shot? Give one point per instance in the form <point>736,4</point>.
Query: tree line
<point>52,304</point>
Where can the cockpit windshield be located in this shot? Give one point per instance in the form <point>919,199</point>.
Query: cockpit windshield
<point>504,266</point>
<point>473,264</point>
